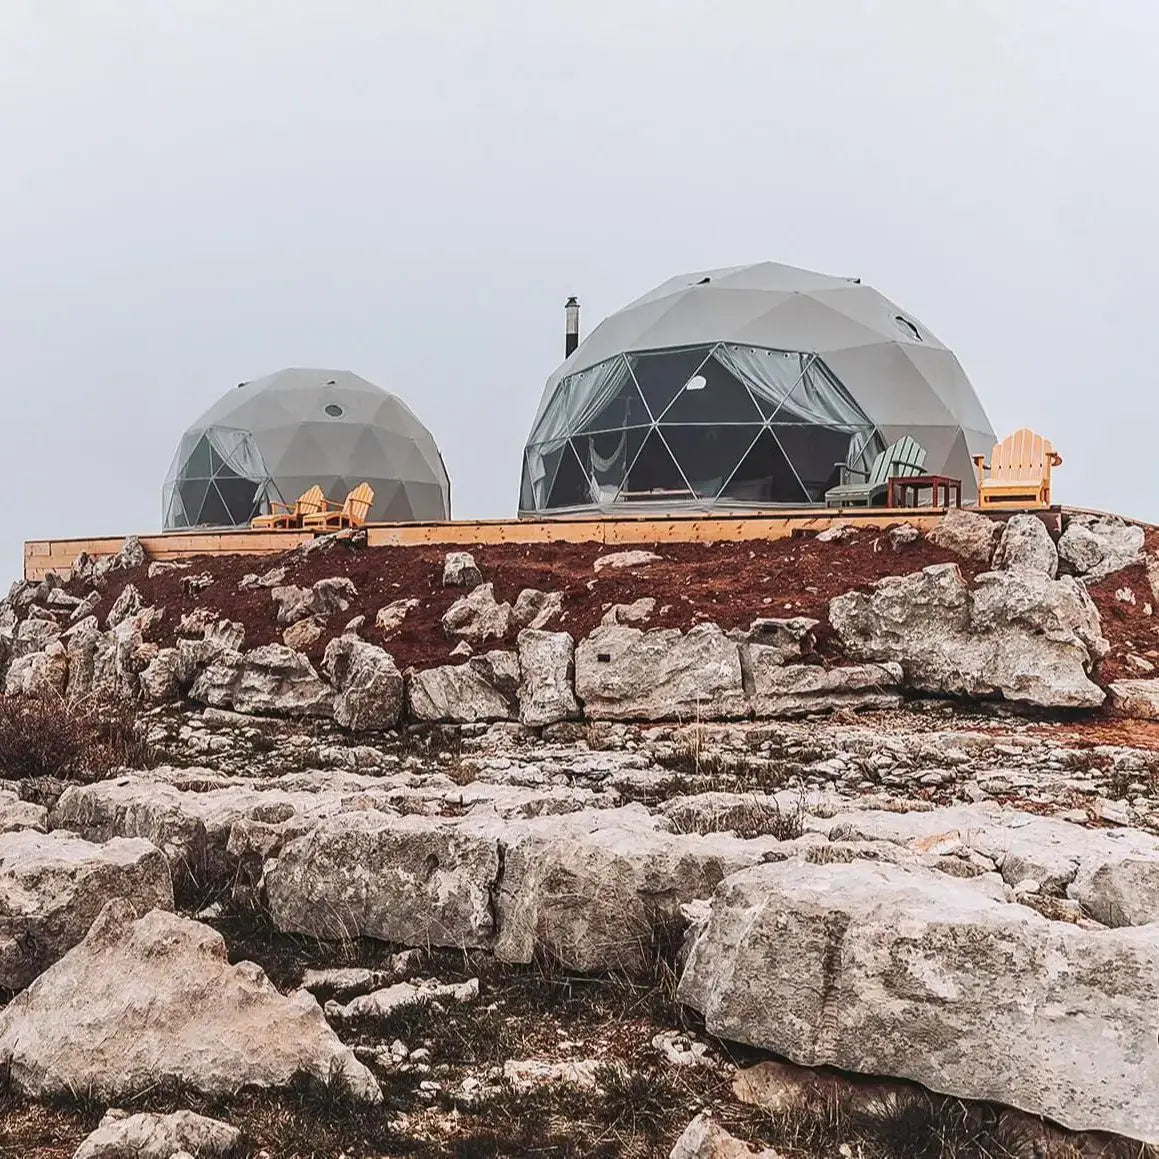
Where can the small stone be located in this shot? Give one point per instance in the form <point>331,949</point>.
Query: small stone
<point>620,559</point>
<point>461,571</point>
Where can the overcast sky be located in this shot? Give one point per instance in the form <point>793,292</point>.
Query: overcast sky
<point>197,192</point>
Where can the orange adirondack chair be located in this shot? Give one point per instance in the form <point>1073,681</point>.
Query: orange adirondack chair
<point>286,515</point>
<point>1019,468</point>
<point>352,513</point>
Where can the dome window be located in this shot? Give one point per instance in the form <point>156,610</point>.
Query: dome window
<point>907,328</point>
<point>334,411</point>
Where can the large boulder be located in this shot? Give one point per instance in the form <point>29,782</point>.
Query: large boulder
<point>598,890</point>
<point>1098,546</point>
<point>33,636</point>
<point>664,674</point>
<point>52,886</point>
<point>1018,634</point>
<point>779,690</point>
<point>1026,544</point>
<point>536,609</point>
<point>151,1136</point>
<point>17,814</point>
<point>145,1001</point>
<point>127,604</point>
<point>484,688</point>
<point>913,974</point>
<point>413,880</point>
<point>547,668</point>
<point>368,683</point>
<point>968,534</point>
<point>478,617</point>
<point>324,598</point>
<point>784,640</point>
<point>272,679</point>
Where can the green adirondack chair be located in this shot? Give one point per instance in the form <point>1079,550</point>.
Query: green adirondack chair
<point>905,457</point>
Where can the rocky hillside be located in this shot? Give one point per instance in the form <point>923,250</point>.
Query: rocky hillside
<point>839,846</point>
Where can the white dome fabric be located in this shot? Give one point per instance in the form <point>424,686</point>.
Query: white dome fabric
<point>275,437</point>
<point>745,386</point>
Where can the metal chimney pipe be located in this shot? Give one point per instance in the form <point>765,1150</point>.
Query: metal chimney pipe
<point>571,326</point>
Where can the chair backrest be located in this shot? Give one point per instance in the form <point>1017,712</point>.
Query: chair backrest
<point>1022,456</point>
<point>905,457</point>
<point>358,502</point>
<point>311,502</point>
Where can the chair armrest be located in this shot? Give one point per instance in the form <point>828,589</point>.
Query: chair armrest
<point>1055,459</point>
<point>980,461</point>
<point>846,471</point>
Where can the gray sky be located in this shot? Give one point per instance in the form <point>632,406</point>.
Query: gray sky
<point>197,192</point>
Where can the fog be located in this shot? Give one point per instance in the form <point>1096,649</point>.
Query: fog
<point>198,192</point>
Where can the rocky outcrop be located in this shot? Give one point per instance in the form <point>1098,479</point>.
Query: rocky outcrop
<point>431,883</point>
<point>1137,698</point>
<point>271,679</point>
<point>478,617</point>
<point>40,673</point>
<point>484,688</point>
<point>52,886</point>
<point>663,674</point>
<point>1017,634</point>
<point>369,685</point>
<point>1026,544</point>
<point>968,534</point>
<point>547,669</point>
<point>461,571</point>
<point>908,973</point>
<point>145,1001</point>
<point>150,1136</point>
<point>777,690</point>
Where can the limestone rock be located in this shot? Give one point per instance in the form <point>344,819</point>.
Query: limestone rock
<point>52,886</point>
<point>144,1000</point>
<point>777,690</point>
<point>381,1003</point>
<point>664,674</point>
<point>620,559</point>
<point>902,536</point>
<point>967,533</point>
<point>160,682</point>
<point>16,814</point>
<point>592,890</point>
<point>390,618</point>
<point>524,1075</point>
<point>1100,546</point>
<point>81,646</point>
<point>85,608</point>
<point>484,688</point>
<point>33,636</point>
<point>783,641</point>
<point>1137,698</point>
<point>637,612</point>
<point>1018,634</point>
<point>325,598</point>
<point>268,579</point>
<point>431,883</point>
<point>900,973</point>
<point>704,1138</point>
<point>165,567</point>
<point>127,604</point>
<point>271,679</point>
<point>478,617</point>
<point>150,1136</point>
<point>369,684</point>
<point>1025,543</point>
<point>547,666</point>
<point>536,609</point>
<point>461,571</point>
<point>39,673</point>
<point>302,635</point>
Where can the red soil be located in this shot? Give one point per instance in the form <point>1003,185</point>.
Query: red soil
<point>730,584</point>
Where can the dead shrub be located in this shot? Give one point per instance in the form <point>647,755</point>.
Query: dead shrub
<point>48,736</point>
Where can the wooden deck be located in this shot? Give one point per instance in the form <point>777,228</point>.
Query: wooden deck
<point>57,555</point>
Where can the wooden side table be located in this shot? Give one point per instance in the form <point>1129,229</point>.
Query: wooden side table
<point>900,487</point>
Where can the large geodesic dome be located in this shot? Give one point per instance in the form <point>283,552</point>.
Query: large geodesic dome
<point>275,437</point>
<point>746,386</point>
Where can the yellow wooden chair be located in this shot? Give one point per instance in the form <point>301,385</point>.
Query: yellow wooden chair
<point>352,513</point>
<point>1019,469</point>
<point>287,515</point>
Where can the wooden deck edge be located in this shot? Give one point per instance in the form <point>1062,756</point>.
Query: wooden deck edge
<point>57,555</point>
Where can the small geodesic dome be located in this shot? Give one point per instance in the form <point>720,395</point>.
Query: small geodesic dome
<point>275,437</point>
<point>745,387</point>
